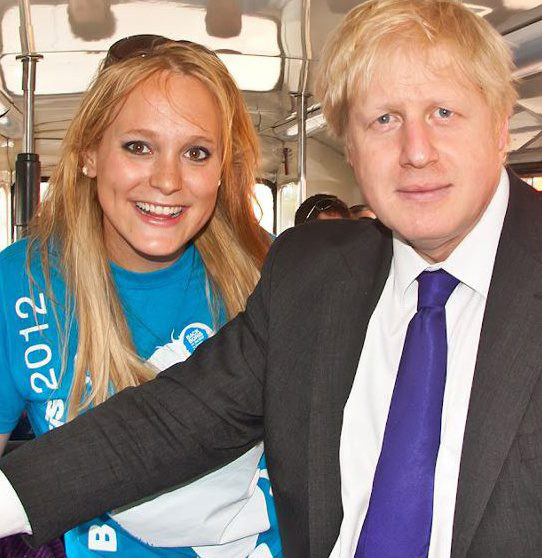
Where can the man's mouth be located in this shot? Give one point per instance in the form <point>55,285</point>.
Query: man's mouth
<point>159,210</point>
<point>423,191</point>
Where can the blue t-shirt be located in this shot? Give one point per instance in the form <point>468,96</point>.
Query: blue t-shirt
<point>229,513</point>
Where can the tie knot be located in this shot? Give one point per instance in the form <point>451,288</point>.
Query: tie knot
<point>435,288</point>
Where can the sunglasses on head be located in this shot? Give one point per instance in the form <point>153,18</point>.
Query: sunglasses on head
<point>322,205</point>
<point>142,45</point>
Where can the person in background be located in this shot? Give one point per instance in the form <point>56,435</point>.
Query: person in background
<point>145,245</point>
<point>362,211</point>
<point>91,20</point>
<point>321,207</point>
<point>393,367</point>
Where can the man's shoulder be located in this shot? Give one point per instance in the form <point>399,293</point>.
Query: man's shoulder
<point>523,194</point>
<point>334,232</point>
<point>524,215</point>
<point>323,247</point>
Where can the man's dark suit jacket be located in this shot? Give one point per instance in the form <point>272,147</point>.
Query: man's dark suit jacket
<point>283,371</point>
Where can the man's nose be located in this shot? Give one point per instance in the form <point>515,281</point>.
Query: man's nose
<point>418,148</point>
<point>166,175</point>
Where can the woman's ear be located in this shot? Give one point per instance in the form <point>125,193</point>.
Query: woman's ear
<point>89,163</point>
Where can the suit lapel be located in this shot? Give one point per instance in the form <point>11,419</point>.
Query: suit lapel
<point>507,366</point>
<point>346,308</point>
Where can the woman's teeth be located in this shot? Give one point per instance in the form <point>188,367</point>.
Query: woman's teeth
<point>162,210</point>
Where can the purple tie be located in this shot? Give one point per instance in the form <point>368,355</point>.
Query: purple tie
<point>398,521</point>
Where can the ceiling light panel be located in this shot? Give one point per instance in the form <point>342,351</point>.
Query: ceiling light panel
<point>69,62</point>
<point>52,31</point>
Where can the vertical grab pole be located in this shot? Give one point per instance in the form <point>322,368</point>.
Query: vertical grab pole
<point>302,99</point>
<point>302,144</point>
<point>27,167</point>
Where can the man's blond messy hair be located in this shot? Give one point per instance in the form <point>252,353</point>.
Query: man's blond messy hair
<point>372,31</point>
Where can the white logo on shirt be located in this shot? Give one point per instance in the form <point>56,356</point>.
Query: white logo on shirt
<point>102,537</point>
<point>181,347</point>
<point>54,413</point>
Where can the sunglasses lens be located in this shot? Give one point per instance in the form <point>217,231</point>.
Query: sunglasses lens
<point>141,45</point>
<point>324,205</point>
<point>136,45</point>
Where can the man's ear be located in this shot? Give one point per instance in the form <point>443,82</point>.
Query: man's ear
<point>503,136</point>
<point>89,162</point>
<point>347,149</point>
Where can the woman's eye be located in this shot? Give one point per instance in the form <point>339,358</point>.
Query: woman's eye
<point>137,147</point>
<point>444,112</point>
<point>197,153</point>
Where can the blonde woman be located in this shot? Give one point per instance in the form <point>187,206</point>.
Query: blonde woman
<point>146,244</point>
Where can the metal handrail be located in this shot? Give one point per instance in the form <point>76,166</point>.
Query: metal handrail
<point>27,167</point>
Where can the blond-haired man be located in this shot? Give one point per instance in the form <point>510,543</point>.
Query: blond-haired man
<point>385,439</point>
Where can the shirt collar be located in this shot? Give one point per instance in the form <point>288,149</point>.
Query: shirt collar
<point>472,261</point>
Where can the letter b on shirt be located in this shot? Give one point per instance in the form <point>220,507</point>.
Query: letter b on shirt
<point>102,537</point>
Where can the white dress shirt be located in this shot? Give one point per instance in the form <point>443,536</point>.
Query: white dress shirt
<point>366,410</point>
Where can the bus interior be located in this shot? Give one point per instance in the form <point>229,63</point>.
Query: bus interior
<point>272,49</point>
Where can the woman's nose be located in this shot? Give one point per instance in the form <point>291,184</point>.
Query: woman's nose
<point>166,175</point>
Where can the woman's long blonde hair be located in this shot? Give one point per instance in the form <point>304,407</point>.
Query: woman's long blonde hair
<point>232,245</point>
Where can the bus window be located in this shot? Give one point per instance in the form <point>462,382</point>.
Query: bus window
<point>534,181</point>
<point>4,215</point>
<point>264,206</point>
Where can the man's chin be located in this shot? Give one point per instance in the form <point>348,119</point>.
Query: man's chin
<point>435,250</point>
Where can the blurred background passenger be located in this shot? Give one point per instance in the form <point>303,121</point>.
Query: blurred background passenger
<point>321,206</point>
<point>362,211</point>
<point>145,244</point>
<point>223,18</point>
<point>91,20</point>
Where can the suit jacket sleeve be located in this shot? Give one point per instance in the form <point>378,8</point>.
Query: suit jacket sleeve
<point>192,418</point>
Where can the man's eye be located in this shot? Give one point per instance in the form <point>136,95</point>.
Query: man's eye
<point>384,119</point>
<point>137,147</point>
<point>444,112</point>
<point>197,153</point>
